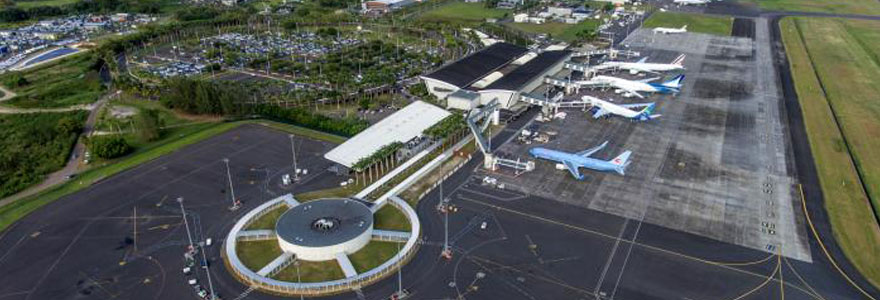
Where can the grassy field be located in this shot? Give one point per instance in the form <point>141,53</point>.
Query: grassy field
<point>179,138</point>
<point>461,12</point>
<point>34,145</point>
<point>35,3</point>
<point>869,7</point>
<point>268,220</point>
<point>390,218</point>
<point>841,58</point>
<point>562,31</point>
<point>696,23</point>
<point>69,81</point>
<point>167,117</point>
<point>372,255</point>
<point>257,254</point>
<point>337,192</point>
<point>311,271</point>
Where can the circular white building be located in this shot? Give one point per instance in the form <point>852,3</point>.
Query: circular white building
<point>319,230</point>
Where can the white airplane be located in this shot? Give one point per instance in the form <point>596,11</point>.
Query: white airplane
<point>643,66</point>
<point>667,30</point>
<point>602,108</point>
<point>633,87</point>
<point>691,2</point>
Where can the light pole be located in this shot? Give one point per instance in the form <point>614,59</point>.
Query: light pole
<point>185,222</point>
<point>298,278</point>
<point>231,188</point>
<point>293,153</point>
<point>399,273</point>
<point>446,252</point>
<point>208,272</point>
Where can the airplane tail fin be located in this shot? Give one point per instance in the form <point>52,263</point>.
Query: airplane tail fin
<point>674,82</point>
<point>685,27</point>
<point>647,113</point>
<point>679,61</point>
<point>621,162</point>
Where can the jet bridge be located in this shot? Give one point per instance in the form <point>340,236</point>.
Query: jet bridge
<point>478,120</point>
<point>613,53</point>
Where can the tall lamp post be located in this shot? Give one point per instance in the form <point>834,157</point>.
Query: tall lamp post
<point>185,223</point>
<point>293,153</point>
<point>235,203</point>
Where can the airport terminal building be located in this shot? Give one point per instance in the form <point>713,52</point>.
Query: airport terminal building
<point>501,71</point>
<point>404,126</point>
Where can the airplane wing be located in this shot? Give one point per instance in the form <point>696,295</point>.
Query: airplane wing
<point>600,112</point>
<point>647,80</point>
<point>634,106</point>
<point>631,91</point>
<point>573,170</point>
<point>588,152</point>
<point>643,60</point>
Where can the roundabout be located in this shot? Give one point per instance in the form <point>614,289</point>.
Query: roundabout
<point>320,247</point>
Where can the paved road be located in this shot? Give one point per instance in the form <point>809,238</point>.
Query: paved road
<point>76,155</point>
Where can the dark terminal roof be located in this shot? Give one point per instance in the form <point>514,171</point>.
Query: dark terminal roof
<point>525,73</point>
<point>475,66</point>
<point>324,222</point>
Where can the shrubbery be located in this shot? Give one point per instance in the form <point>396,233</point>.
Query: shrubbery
<point>34,145</point>
<point>109,147</point>
<point>204,97</point>
<point>305,118</point>
<point>451,124</point>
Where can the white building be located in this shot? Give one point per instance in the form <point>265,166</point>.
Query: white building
<point>559,11</point>
<point>401,126</point>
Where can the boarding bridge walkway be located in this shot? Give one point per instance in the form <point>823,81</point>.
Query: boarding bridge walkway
<point>610,52</point>
<point>482,114</point>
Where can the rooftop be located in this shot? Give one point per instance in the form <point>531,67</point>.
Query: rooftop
<point>402,126</point>
<point>471,68</point>
<point>324,222</point>
<point>525,73</point>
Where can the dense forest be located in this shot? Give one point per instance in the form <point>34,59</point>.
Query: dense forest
<point>229,99</point>
<point>35,145</point>
<point>16,14</point>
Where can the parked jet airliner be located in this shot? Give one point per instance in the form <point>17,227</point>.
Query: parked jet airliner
<point>666,30</point>
<point>633,87</point>
<point>574,161</point>
<point>643,66</point>
<point>603,108</point>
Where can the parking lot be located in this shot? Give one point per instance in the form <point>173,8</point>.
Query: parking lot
<point>716,164</point>
<point>124,238</point>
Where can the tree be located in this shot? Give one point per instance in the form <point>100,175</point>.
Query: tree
<point>148,125</point>
<point>109,147</point>
<point>608,6</point>
<point>587,35</point>
<point>67,126</point>
<point>15,80</point>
